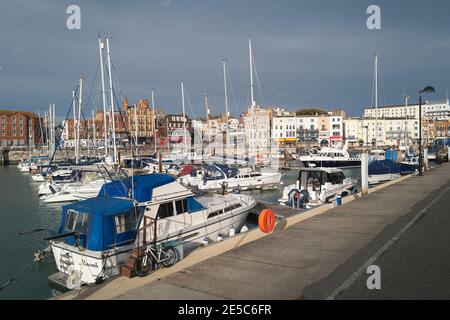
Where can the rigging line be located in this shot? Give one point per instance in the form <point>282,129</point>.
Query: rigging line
<point>92,85</point>
<point>258,83</point>
<point>121,111</point>
<point>64,125</point>
<point>128,134</point>
<point>8,282</point>
<point>116,79</point>
<point>189,103</point>
<point>232,93</point>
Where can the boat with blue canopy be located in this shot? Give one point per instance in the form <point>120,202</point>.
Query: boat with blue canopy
<point>98,235</point>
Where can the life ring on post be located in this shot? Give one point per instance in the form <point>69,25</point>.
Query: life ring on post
<point>266,221</point>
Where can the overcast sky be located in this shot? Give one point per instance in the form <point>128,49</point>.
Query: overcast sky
<point>307,53</point>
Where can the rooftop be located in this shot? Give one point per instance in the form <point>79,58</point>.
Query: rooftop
<point>25,113</point>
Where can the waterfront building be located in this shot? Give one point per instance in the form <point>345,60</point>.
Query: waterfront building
<point>171,129</point>
<point>432,110</point>
<point>312,130</point>
<point>140,120</point>
<point>257,125</point>
<point>392,132</point>
<point>20,128</point>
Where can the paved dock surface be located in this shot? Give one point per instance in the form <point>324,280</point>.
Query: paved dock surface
<point>311,259</point>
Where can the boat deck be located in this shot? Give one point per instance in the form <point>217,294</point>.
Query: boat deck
<point>59,281</point>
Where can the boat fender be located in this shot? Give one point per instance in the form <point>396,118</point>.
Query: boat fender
<point>266,221</point>
<point>232,231</point>
<point>73,280</point>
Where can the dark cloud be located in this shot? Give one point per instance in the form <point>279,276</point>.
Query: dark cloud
<point>307,52</point>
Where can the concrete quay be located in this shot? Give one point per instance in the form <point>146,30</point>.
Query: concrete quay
<point>307,257</point>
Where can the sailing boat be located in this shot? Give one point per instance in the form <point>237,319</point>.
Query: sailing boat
<point>380,169</point>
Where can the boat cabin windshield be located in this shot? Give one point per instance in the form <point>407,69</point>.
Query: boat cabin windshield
<point>100,223</point>
<point>76,222</point>
<point>312,180</point>
<point>335,177</point>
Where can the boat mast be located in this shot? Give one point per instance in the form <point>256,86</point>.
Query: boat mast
<point>224,63</point>
<point>49,129</point>
<point>80,103</point>
<point>40,127</point>
<point>253,136</point>
<point>74,117</point>
<point>225,137</point>
<point>184,118</point>
<point>154,117</point>
<point>102,77</point>
<point>94,130</point>
<point>113,120</point>
<point>207,119</point>
<point>376,101</point>
<point>136,127</point>
<point>53,128</point>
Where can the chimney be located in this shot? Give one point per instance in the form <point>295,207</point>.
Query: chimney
<point>125,103</point>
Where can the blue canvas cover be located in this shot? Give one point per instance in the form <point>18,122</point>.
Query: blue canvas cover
<point>101,232</point>
<point>143,186</point>
<point>229,171</point>
<point>384,167</point>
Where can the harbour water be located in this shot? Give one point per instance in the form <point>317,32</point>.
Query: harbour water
<point>21,210</point>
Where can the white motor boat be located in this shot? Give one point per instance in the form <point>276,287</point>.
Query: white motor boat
<point>98,235</point>
<point>222,177</point>
<point>55,181</point>
<point>38,177</point>
<point>331,158</point>
<point>75,192</point>
<point>25,167</point>
<point>316,186</point>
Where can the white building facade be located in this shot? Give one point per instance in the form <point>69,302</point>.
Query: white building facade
<point>432,110</point>
<point>325,129</point>
<point>394,132</point>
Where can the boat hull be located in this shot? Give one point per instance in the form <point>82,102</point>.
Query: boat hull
<point>86,266</point>
<point>332,164</point>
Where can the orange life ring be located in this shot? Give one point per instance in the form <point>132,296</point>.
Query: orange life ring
<point>266,221</point>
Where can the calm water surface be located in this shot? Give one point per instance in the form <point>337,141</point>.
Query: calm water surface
<point>21,210</point>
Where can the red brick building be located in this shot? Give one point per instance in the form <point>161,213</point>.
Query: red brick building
<point>19,128</point>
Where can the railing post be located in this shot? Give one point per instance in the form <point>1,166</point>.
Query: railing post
<point>144,230</point>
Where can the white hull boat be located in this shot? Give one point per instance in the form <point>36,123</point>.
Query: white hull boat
<point>316,186</point>
<point>75,192</point>
<point>221,177</point>
<point>98,235</point>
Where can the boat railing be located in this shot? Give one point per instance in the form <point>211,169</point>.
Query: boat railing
<point>148,222</point>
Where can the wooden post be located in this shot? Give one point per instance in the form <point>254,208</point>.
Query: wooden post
<point>160,162</point>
